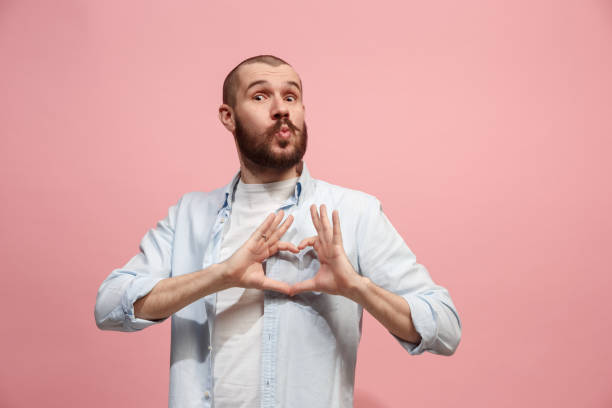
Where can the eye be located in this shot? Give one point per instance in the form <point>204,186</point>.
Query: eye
<point>291,98</point>
<point>258,97</point>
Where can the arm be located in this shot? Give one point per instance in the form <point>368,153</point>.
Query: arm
<point>242,269</point>
<point>391,310</point>
<point>142,293</point>
<point>114,304</point>
<point>337,276</point>
<point>172,294</point>
<point>394,288</point>
<point>387,261</point>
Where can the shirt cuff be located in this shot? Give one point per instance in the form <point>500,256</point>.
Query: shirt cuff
<point>424,321</point>
<point>138,288</point>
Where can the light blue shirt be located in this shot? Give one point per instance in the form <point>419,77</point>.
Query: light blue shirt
<point>309,341</point>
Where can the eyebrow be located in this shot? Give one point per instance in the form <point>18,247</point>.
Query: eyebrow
<point>263,81</point>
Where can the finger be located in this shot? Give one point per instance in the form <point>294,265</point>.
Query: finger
<point>277,219</point>
<point>287,246</point>
<point>337,232</point>
<point>327,230</point>
<point>263,226</point>
<point>307,242</point>
<point>303,286</point>
<point>282,229</point>
<point>282,246</point>
<point>315,219</point>
<point>271,284</point>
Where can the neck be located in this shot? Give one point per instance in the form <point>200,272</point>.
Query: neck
<point>251,173</point>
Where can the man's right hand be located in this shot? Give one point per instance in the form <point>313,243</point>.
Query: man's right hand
<point>244,268</point>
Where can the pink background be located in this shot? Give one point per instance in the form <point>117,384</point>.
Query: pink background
<point>483,127</point>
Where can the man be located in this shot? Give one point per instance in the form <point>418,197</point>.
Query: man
<point>266,278</point>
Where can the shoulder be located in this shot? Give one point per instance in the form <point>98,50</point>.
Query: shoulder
<point>201,200</point>
<point>344,197</point>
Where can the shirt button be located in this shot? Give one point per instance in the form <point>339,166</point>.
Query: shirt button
<point>207,394</point>
<point>210,347</point>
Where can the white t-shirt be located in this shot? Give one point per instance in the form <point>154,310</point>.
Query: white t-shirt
<point>236,338</point>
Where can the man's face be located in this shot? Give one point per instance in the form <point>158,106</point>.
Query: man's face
<point>269,116</point>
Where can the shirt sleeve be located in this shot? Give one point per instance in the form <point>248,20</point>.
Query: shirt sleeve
<point>386,260</point>
<point>114,308</point>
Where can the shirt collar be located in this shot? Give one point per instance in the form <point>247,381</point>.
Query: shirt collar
<point>302,187</point>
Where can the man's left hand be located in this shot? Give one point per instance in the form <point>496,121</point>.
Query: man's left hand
<point>336,275</point>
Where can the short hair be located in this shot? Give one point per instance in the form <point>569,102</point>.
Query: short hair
<point>230,85</point>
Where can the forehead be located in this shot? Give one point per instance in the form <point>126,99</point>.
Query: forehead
<point>258,71</point>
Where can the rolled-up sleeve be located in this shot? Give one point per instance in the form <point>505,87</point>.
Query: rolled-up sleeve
<point>114,309</point>
<point>386,260</point>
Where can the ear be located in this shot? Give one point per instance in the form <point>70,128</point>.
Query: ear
<point>226,116</point>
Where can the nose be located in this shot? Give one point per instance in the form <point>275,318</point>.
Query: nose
<point>279,109</point>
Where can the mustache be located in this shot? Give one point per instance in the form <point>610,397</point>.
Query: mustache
<point>282,122</point>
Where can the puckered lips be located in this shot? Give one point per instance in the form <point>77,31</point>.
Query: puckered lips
<point>284,132</point>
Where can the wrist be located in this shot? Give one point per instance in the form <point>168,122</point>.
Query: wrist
<point>224,276</point>
<point>357,289</point>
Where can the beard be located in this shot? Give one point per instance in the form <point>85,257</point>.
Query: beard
<point>258,148</point>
